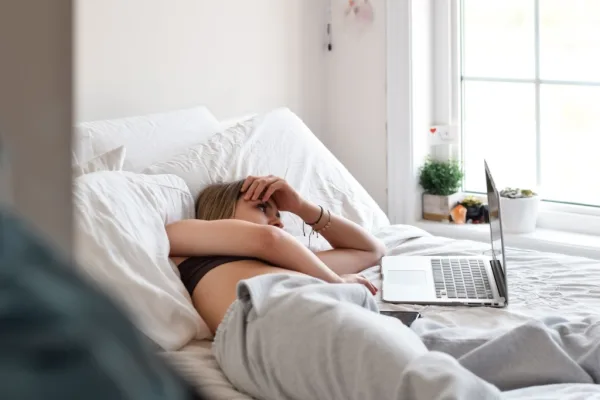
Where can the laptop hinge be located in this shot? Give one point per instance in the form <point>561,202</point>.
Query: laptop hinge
<point>499,277</point>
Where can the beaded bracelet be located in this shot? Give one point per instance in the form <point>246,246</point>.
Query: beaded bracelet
<point>314,223</point>
<point>327,225</point>
<point>318,220</point>
<point>317,231</point>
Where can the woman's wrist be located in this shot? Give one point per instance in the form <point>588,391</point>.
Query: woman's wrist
<point>309,212</point>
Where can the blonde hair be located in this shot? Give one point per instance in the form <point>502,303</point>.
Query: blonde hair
<point>218,201</point>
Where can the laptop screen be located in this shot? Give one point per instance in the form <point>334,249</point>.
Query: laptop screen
<point>495,219</point>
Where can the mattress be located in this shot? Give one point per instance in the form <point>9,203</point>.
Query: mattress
<point>540,284</point>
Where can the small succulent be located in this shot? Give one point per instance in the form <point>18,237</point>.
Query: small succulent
<point>517,193</point>
<point>471,201</point>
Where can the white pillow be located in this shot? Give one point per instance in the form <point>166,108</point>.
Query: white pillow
<point>122,245</point>
<point>231,122</point>
<point>110,161</point>
<point>148,138</point>
<point>278,143</point>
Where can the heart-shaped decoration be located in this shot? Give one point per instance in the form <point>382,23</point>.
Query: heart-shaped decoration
<point>432,130</point>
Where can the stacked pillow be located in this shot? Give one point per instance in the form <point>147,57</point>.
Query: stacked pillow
<point>148,138</point>
<point>121,245</point>
<point>120,241</point>
<point>110,161</point>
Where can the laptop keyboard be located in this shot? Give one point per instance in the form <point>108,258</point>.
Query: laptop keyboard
<point>460,279</point>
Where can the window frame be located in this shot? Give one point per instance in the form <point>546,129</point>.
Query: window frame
<point>411,45</point>
<point>554,215</point>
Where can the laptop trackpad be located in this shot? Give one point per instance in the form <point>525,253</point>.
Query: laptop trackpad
<point>407,285</point>
<point>407,277</point>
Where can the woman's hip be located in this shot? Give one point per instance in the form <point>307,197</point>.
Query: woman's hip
<point>283,340</point>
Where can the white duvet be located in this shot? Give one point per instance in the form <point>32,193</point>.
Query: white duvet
<point>539,284</point>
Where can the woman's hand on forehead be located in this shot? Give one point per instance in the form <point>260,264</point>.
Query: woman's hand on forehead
<point>272,188</point>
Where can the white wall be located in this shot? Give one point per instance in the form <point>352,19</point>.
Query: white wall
<point>235,56</point>
<point>35,115</point>
<point>141,56</point>
<point>356,98</point>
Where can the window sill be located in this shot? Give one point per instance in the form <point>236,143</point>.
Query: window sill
<point>546,240</point>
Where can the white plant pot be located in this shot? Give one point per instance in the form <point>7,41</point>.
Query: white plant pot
<point>519,215</point>
<point>438,208</point>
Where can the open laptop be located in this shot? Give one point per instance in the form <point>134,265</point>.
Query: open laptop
<point>472,281</point>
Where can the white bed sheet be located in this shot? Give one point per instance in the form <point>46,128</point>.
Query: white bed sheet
<point>540,284</point>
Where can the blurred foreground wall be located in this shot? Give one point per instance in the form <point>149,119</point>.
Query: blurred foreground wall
<point>35,114</point>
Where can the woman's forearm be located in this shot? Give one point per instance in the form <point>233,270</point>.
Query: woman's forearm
<point>240,238</point>
<point>342,233</point>
<point>286,252</point>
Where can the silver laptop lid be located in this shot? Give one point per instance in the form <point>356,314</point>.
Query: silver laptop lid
<point>496,234</point>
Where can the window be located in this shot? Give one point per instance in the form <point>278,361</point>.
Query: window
<point>530,96</point>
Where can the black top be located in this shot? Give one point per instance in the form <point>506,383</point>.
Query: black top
<point>194,268</point>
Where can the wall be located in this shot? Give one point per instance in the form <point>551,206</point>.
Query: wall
<point>35,114</point>
<point>141,56</point>
<point>356,98</point>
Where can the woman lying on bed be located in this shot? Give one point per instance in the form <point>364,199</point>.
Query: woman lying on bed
<point>293,324</point>
<point>238,235</point>
<point>284,323</point>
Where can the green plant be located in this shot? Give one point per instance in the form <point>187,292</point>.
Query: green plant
<point>517,193</point>
<point>471,201</point>
<point>441,178</point>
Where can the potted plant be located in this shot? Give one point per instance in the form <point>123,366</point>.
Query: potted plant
<point>519,209</point>
<point>475,209</point>
<point>440,181</point>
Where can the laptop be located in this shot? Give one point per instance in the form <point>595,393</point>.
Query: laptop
<point>441,280</point>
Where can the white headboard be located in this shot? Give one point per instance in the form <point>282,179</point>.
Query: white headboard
<point>236,57</point>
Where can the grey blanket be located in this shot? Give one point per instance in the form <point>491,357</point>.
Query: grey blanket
<point>549,351</point>
<point>300,338</point>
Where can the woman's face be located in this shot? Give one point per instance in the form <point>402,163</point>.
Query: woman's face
<point>258,212</point>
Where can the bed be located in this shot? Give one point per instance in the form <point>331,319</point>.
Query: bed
<point>540,284</point>
<point>205,151</point>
